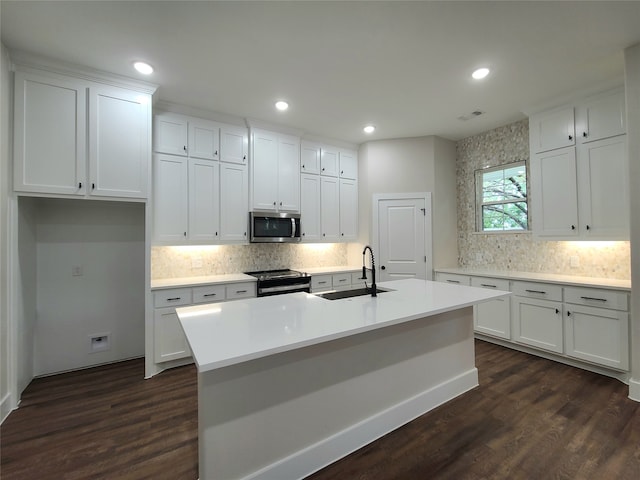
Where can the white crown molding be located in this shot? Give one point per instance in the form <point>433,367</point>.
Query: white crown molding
<point>170,107</point>
<point>24,61</point>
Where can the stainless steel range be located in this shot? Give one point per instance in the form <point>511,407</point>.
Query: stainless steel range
<point>276,282</point>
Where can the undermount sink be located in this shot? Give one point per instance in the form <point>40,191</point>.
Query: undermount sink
<point>356,292</point>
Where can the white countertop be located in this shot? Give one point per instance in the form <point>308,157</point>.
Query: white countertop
<point>201,280</point>
<point>228,333</point>
<point>543,277</point>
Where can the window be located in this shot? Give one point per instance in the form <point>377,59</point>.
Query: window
<point>501,198</point>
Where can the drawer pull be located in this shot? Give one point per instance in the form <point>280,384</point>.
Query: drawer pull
<point>322,283</point>
<point>342,280</point>
<point>453,281</point>
<point>487,285</point>
<point>595,299</point>
<point>241,291</point>
<point>173,299</point>
<point>209,294</point>
<point>542,292</point>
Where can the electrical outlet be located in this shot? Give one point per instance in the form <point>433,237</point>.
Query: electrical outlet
<point>196,262</point>
<point>99,342</point>
<point>76,270</point>
<point>574,262</point>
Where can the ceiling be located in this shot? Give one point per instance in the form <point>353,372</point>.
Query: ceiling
<point>402,66</point>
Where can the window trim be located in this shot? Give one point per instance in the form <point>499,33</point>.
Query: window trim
<point>478,175</point>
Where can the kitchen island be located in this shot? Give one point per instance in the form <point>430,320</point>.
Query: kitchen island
<point>290,383</point>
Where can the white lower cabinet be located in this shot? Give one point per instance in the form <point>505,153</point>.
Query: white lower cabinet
<point>597,334</point>
<point>337,281</point>
<point>169,340</point>
<point>538,323</point>
<point>492,317</point>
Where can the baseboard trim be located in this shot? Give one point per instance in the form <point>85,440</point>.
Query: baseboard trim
<point>6,407</point>
<point>634,389</point>
<point>311,459</point>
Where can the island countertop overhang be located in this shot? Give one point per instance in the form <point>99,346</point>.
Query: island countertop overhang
<point>228,333</point>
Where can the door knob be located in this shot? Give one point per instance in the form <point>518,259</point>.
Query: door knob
<point>383,267</point>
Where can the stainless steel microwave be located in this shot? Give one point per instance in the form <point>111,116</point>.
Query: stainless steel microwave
<point>273,227</point>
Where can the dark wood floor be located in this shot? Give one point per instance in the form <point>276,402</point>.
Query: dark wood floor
<point>529,419</point>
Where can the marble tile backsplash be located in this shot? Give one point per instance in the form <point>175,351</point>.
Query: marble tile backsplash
<point>522,251</point>
<point>188,261</point>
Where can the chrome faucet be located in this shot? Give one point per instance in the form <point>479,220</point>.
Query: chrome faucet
<point>374,292</point>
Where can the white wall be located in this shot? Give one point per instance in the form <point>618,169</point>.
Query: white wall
<point>106,240</point>
<point>632,86</point>
<point>5,154</point>
<point>421,164</point>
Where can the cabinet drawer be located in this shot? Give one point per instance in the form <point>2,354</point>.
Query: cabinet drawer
<point>240,290</point>
<point>210,293</point>
<point>491,283</point>
<point>172,297</point>
<point>537,290</point>
<point>597,298</point>
<point>341,280</point>
<point>321,282</point>
<point>453,278</point>
<point>357,280</point>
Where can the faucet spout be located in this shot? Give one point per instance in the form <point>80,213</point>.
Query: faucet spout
<point>374,292</point>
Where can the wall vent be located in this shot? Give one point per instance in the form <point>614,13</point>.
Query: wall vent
<point>469,116</point>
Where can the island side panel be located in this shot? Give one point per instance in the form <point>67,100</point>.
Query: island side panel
<point>287,415</point>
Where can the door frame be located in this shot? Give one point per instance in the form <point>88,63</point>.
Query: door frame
<point>428,227</point>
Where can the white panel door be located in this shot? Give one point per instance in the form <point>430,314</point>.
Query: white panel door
<point>264,171</point>
<point>289,174</point>
<point>604,116</point>
<point>170,210</point>
<point>604,189</point>
<point>204,200</point>
<point>49,135</point>
<point>329,161</point>
<point>492,317</point>
<point>402,226</point>
<point>538,323</point>
<point>553,130</point>
<point>348,165</point>
<point>329,209</point>
<point>309,158</point>
<point>169,340</point>
<point>310,208</point>
<point>234,144</point>
<point>555,194</point>
<point>348,210</point>
<point>234,203</point>
<point>119,145</point>
<point>204,139</point>
<point>170,134</point>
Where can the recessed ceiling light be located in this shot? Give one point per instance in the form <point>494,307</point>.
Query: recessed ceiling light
<point>282,105</point>
<point>143,68</point>
<point>480,73</point>
<point>369,129</point>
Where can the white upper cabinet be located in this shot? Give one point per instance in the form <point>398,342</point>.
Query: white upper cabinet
<point>602,117</point>
<point>348,164</point>
<point>204,139</point>
<point>170,134</point>
<point>309,157</point>
<point>75,137</point>
<point>234,144</point>
<point>204,201</point>
<point>329,162</point>
<point>330,209</point>
<point>551,130</point>
<point>310,208</point>
<point>581,191</point>
<point>554,193</point>
<point>170,199</point>
<point>275,172</point>
<point>348,210</point>
<point>119,142</point>
<point>234,203</point>
<point>50,154</point>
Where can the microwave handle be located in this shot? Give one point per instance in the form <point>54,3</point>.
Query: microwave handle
<point>293,227</point>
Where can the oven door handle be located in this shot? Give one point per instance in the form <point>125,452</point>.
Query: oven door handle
<point>283,288</point>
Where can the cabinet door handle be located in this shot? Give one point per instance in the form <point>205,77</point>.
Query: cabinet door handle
<point>453,281</point>
<point>594,299</point>
<point>174,299</point>
<point>244,157</point>
<point>80,185</point>
<point>184,148</point>
<point>341,172</point>
<point>93,186</point>
<point>585,134</point>
<point>274,204</point>
<point>573,227</point>
<point>542,292</point>
<point>557,311</point>
<point>487,285</point>
<point>568,313</point>
<point>323,169</point>
<point>303,166</point>
<point>588,227</point>
<point>570,137</point>
<point>216,152</point>
<point>209,294</point>
<point>185,234</point>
